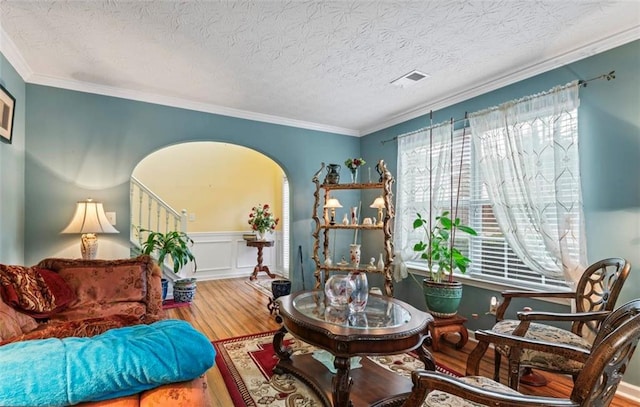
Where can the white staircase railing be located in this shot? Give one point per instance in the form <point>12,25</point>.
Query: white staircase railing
<point>149,211</point>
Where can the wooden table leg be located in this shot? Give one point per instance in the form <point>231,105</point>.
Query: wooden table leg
<point>260,267</point>
<point>424,355</point>
<point>342,382</point>
<point>283,352</point>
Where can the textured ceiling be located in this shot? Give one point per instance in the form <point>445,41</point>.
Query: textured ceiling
<point>316,64</point>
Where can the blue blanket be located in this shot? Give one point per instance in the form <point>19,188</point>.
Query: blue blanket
<point>124,361</point>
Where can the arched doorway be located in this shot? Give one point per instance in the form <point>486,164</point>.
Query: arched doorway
<point>217,184</point>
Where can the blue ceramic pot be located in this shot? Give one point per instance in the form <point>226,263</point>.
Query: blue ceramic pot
<point>280,288</point>
<point>442,299</point>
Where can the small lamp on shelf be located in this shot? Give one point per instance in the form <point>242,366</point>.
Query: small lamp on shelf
<point>332,204</point>
<point>89,219</point>
<point>378,204</point>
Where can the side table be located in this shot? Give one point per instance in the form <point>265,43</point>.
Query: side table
<point>441,326</point>
<point>260,244</point>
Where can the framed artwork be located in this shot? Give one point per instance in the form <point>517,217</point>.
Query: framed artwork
<point>7,107</point>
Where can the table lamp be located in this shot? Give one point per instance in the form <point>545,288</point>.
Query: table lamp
<point>332,204</point>
<point>89,219</point>
<point>378,204</point>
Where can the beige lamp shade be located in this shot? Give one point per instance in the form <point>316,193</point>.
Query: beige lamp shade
<point>88,220</point>
<point>332,204</point>
<point>378,204</point>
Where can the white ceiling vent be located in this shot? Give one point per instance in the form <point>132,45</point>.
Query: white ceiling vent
<point>409,79</point>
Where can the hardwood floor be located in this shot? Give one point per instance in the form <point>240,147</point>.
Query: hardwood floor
<point>229,308</point>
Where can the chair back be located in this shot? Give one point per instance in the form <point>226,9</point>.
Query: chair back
<point>597,382</point>
<point>599,288</point>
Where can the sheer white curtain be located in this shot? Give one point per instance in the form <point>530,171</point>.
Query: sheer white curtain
<point>527,152</point>
<point>423,160</point>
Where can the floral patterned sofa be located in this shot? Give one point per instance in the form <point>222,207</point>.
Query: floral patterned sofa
<point>79,298</point>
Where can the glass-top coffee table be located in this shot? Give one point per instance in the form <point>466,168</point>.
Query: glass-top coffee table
<point>387,326</point>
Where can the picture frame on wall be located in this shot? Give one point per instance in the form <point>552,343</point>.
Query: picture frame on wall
<point>7,108</point>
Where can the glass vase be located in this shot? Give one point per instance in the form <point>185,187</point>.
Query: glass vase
<point>338,290</point>
<point>360,291</point>
<point>354,254</point>
<point>354,175</point>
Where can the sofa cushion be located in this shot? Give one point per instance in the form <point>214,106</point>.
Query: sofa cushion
<point>13,323</point>
<point>34,291</point>
<point>81,328</point>
<point>117,363</point>
<point>108,287</point>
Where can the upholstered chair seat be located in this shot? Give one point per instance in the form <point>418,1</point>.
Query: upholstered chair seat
<point>442,399</point>
<point>548,333</point>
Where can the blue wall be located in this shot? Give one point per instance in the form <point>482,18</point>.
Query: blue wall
<point>12,157</point>
<point>609,128</point>
<point>83,145</point>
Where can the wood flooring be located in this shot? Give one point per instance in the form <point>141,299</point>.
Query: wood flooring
<point>229,308</point>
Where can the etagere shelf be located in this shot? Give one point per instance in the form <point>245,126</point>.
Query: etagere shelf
<point>322,229</point>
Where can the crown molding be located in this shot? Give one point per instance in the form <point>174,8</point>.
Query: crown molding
<point>184,104</point>
<point>568,57</point>
<point>11,53</point>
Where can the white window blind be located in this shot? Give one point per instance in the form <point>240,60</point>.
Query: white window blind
<point>285,225</point>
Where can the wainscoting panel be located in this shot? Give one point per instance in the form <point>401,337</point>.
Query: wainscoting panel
<point>226,255</point>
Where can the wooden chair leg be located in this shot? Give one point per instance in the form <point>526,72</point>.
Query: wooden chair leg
<point>496,366</point>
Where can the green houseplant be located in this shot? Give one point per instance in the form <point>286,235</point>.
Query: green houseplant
<point>442,294</point>
<point>439,249</point>
<point>176,246</point>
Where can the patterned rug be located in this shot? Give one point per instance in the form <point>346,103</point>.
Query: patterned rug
<point>263,284</point>
<point>246,364</point>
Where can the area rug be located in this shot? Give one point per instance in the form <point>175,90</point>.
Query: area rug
<point>168,304</point>
<point>246,364</point>
<point>264,284</point>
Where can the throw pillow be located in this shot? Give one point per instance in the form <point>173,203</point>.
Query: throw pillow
<point>14,323</point>
<point>27,289</point>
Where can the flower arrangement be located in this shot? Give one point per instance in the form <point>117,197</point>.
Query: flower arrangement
<point>354,163</point>
<point>262,220</point>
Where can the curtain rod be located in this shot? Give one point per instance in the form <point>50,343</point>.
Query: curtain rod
<point>581,83</point>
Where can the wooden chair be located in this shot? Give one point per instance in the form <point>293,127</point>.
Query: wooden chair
<point>595,296</point>
<point>595,385</point>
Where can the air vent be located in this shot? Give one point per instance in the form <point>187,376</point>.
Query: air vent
<point>409,79</point>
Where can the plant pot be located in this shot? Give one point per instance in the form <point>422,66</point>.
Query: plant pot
<point>165,288</point>
<point>442,299</point>
<point>184,290</point>
<point>280,288</point>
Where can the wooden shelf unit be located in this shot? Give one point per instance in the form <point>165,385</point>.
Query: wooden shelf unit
<point>322,225</point>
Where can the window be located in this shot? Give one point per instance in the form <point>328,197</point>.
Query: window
<point>492,257</point>
<point>285,226</point>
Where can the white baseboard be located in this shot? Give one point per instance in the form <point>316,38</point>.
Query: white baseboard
<point>626,390</point>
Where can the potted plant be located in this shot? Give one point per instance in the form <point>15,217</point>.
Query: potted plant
<point>174,245</point>
<point>442,294</point>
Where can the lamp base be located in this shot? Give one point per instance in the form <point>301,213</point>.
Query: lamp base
<point>89,246</point>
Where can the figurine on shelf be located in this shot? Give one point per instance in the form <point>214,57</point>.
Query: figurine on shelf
<point>372,264</point>
<point>381,263</point>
